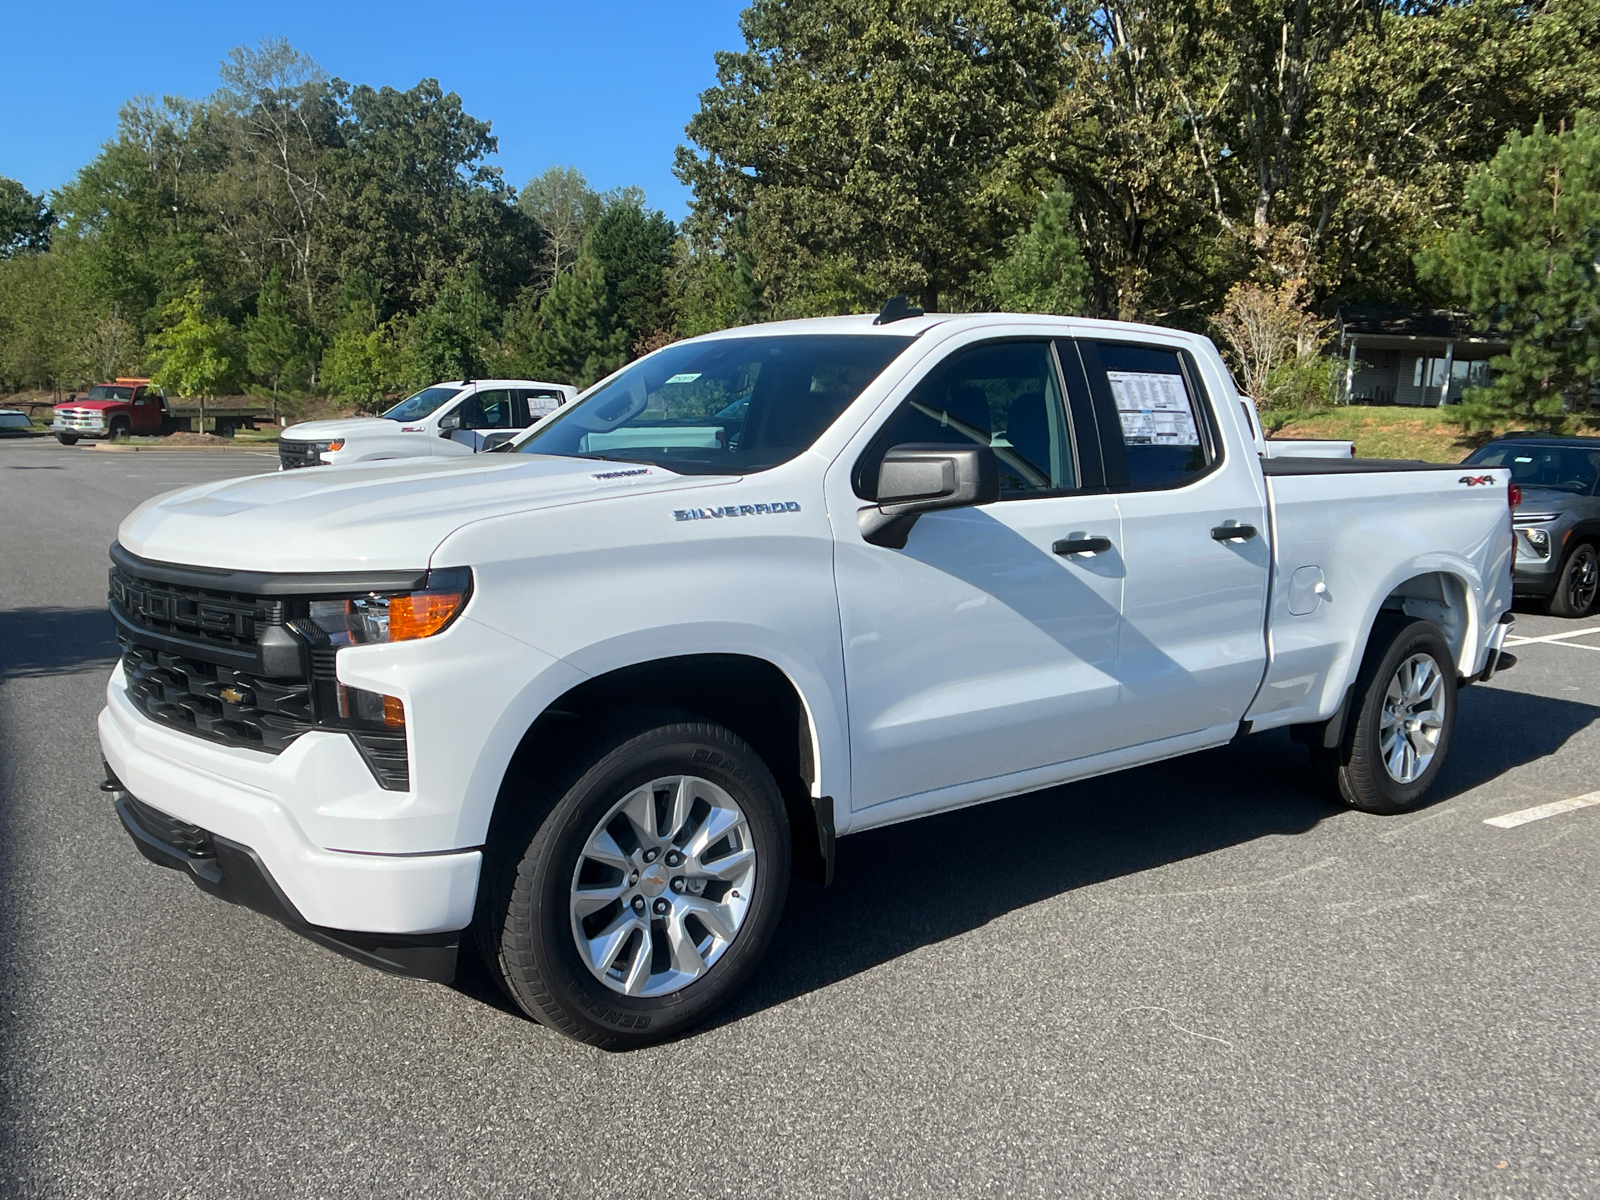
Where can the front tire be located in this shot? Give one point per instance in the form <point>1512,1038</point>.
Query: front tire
<point>1402,717</point>
<point>67,439</point>
<point>1577,585</point>
<point>646,897</point>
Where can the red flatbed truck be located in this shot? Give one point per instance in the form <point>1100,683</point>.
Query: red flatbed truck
<point>130,406</point>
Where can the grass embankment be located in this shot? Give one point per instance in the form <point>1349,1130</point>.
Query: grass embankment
<point>1430,434</point>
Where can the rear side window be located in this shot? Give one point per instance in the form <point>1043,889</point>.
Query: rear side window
<point>1147,399</point>
<point>1000,394</point>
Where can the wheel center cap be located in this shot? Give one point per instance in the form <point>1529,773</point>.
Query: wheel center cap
<point>653,880</point>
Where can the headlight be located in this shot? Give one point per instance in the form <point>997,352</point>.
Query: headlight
<point>371,619</point>
<point>1539,539</point>
<point>328,447</point>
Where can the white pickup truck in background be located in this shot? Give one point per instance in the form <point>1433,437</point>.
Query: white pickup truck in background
<point>591,700</point>
<point>452,419</point>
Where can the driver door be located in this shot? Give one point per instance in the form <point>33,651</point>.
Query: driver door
<point>482,415</point>
<point>984,648</point>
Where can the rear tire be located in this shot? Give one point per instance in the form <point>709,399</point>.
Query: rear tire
<point>608,919</point>
<point>1403,714</point>
<point>1577,584</point>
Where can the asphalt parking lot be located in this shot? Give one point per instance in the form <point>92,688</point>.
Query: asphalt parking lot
<point>1193,979</point>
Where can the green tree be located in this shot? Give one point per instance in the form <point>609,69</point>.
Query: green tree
<point>454,336</point>
<point>45,318</point>
<point>410,199</point>
<point>577,339</point>
<point>194,354</point>
<point>25,219</point>
<point>873,148</point>
<point>273,343</point>
<point>1525,258</point>
<point>633,249</point>
<point>1043,269</point>
<point>563,204</point>
<point>361,365</point>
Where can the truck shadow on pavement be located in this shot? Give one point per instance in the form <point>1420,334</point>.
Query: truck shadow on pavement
<point>903,887</point>
<point>55,641</point>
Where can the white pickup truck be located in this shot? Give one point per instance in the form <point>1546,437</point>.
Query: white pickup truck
<point>591,701</point>
<point>452,419</point>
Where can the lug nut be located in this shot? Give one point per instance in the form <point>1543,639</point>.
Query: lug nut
<point>638,904</point>
<point>633,879</point>
<point>661,907</point>
<point>650,855</point>
<point>674,859</point>
<point>677,884</point>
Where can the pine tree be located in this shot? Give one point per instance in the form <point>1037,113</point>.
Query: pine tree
<point>1526,259</point>
<point>578,339</point>
<point>1043,270</point>
<point>272,341</point>
<point>455,334</point>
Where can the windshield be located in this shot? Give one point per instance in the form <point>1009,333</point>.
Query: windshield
<point>724,407</point>
<point>103,391</point>
<point>1565,468</point>
<point>414,408</point>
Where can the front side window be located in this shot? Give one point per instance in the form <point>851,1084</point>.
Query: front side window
<point>487,410</point>
<point>423,404</point>
<point>1162,424</point>
<point>1004,395</point>
<point>1565,468</point>
<point>726,406</point>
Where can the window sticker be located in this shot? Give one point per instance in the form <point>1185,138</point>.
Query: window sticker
<point>1154,409</point>
<point>685,377</point>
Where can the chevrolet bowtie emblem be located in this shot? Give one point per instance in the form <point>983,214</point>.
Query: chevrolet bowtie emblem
<point>232,695</point>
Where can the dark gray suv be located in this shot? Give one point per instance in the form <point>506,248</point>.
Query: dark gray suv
<point>1558,521</point>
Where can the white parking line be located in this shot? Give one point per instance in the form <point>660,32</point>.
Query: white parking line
<point>1541,811</point>
<point>1552,637</point>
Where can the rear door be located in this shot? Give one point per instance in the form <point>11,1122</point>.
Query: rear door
<point>1193,643</point>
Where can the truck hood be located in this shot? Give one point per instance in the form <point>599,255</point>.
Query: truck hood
<point>100,405</point>
<point>380,516</point>
<point>322,431</point>
<point>1537,499</point>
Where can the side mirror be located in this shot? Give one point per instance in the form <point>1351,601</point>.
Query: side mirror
<point>450,422</point>
<point>917,478</point>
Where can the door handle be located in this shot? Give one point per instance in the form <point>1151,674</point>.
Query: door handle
<point>1084,545</point>
<point>1233,533</point>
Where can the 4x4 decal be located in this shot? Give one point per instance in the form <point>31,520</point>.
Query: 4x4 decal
<point>1475,480</point>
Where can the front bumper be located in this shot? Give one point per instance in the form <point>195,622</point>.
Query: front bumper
<point>244,797</point>
<point>234,872</point>
<point>83,431</point>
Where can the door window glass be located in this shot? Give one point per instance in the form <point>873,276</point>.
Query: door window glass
<point>1166,438</point>
<point>488,410</point>
<point>1002,394</point>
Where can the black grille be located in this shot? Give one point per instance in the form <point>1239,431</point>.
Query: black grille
<point>298,454</point>
<point>191,612</point>
<point>217,702</point>
<point>191,839</point>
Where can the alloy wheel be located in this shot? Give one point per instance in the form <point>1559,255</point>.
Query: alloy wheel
<point>1413,718</point>
<point>663,885</point>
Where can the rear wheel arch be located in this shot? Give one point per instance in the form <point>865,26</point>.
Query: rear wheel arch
<point>1441,597</point>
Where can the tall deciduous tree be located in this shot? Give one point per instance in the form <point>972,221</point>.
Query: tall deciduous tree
<point>1526,258</point>
<point>564,205</point>
<point>872,148</point>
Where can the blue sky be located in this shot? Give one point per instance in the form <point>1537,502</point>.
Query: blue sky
<point>605,85</point>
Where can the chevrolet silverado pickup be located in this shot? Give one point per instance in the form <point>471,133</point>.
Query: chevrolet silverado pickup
<point>587,704</point>
<point>463,416</point>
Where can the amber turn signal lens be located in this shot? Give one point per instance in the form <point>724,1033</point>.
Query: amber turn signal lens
<point>394,712</point>
<point>421,614</point>
<point>336,444</point>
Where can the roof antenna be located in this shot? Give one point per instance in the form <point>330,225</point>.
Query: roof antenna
<point>898,308</point>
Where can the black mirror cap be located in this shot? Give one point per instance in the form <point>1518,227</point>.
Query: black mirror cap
<point>916,477</point>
